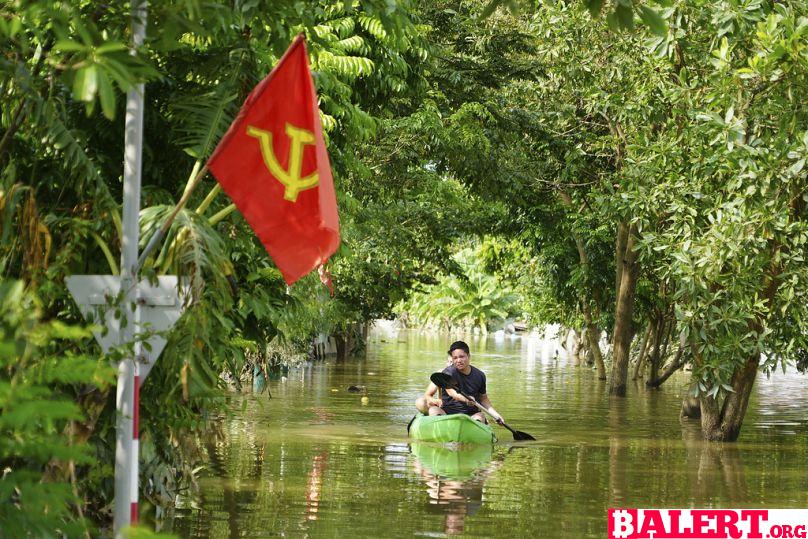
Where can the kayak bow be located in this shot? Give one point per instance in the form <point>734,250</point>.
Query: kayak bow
<point>458,428</point>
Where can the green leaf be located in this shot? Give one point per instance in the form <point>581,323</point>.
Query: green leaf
<point>86,83</point>
<point>796,167</point>
<point>625,16</point>
<point>594,7</point>
<point>654,21</point>
<point>111,46</point>
<point>611,19</point>
<point>67,45</point>
<point>490,8</point>
<point>107,94</point>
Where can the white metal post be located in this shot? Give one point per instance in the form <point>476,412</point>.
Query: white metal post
<point>126,446</point>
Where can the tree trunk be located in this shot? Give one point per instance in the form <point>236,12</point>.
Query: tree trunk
<point>655,356</point>
<point>619,252</point>
<point>725,426</point>
<point>583,347</point>
<point>624,311</point>
<point>691,408</point>
<point>735,404</point>
<point>591,331</point>
<point>669,326</point>
<point>592,335</point>
<point>722,423</point>
<point>577,346</point>
<point>677,363</point>
<point>564,342</point>
<point>639,368</point>
<point>339,341</point>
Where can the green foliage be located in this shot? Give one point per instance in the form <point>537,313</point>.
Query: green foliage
<point>724,221</point>
<point>38,454</point>
<point>473,298</point>
<point>620,14</point>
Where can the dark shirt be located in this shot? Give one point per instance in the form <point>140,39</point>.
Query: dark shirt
<point>472,384</point>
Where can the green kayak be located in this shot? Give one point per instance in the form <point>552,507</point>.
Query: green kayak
<point>458,428</point>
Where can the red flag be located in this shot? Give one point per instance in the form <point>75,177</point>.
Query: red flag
<point>273,164</point>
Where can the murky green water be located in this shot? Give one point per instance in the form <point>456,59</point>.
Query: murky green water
<point>314,462</point>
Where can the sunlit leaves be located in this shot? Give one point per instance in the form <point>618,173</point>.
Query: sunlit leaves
<point>473,298</point>
<point>95,67</point>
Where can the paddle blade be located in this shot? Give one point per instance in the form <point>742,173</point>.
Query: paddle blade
<point>442,380</point>
<point>520,436</point>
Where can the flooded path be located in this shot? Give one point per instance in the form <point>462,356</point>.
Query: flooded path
<point>313,461</point>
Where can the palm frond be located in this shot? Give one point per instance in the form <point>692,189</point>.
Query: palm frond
<point>202,121</point>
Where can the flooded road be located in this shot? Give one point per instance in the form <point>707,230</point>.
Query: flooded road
<point>314,461</point>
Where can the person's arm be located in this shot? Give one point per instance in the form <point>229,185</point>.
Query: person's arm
<point>458,397</point>
<point>485,402</point>
<point>429,396</point>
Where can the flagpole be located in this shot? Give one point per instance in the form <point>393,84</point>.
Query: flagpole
<point>126,435</point>
<point>158,236</point>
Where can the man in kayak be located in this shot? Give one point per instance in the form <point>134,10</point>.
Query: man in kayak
<point>470,380</point>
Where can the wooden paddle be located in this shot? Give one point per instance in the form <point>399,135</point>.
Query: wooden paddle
<point>443,380</point>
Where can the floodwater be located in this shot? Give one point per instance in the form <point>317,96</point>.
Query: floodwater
<point>313,461</point>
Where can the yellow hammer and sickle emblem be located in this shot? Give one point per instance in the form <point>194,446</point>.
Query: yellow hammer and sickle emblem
<point>289,178</point>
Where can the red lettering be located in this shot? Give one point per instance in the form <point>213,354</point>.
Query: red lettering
<point>652,523</point>
<point>799,532</point>
<point>755,517</point>
<point>700,522</point>
<point>725,525</point>
<point>622,523</point>
<point>775,531</point>
<point>787,531</point>
<point>675,531</point>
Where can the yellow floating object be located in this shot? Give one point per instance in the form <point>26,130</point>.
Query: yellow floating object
<point>365,401</point>
<point>334,389</point>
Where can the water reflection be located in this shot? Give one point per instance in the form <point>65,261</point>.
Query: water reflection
<point>454,479</point>
<point>711,466</point>
<point>232,498</point>
<point>618,461</point>
<point>314,485</point>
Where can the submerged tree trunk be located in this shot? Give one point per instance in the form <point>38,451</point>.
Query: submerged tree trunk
<point>624,311</point>
<point>639,367</point>
<point>575,347</point>
<point>592,334</point>
<point>691,408</point>
<point>677,363</point>
<point>591,330</point>
<point>342,349</point>
<point>655,354</point>
<point>724,423</point>
<point>582,352</point>
<point>669,326</point>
